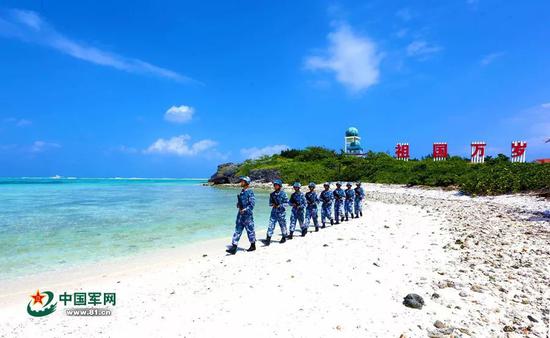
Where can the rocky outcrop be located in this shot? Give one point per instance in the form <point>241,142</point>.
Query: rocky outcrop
<point>264,175</point>
<point>226,173</point>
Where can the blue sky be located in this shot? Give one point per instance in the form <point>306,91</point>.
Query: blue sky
<point>171,89</point>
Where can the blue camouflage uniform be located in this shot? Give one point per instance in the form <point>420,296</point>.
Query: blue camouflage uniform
<point>326,198</point>
<point>348,204</point>
<point>298,202</point>
<point>339,196</point>
<point>359,196</point>
<point>245,219</point>
<point>278,214</point>
<point>311,208</point>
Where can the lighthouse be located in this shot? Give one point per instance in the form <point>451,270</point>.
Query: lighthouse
<point>352,142</point>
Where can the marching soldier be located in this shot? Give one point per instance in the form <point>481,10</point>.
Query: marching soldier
<point>311,208</point>
<point>326,198</point>
<point>277,201</point>
<point>245,218</point>
<point>359,196</point>
<point>298,203</point>
<point>339,196</point>
<point>348,203</point>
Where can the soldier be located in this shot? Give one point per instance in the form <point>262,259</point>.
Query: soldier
<point>277,201</point>
<point>298,202</point>
<point>326,198</point>
<point>359,196</point>
<point>311,208</point>
<point>348,204</point>
<point>339,196</point>
<point>245,218</point>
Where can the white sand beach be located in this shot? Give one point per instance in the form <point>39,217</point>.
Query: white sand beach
<point>482,266</point>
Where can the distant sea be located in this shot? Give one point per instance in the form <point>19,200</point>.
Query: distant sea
<point>57,223</point>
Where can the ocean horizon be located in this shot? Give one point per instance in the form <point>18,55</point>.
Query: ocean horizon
<point>56,223</point>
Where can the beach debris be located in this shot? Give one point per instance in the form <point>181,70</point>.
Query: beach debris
<point>325,245</point>
<point>435,295</point>
<point>414,301</point>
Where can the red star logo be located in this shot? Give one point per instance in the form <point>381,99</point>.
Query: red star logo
<point>37,298</point>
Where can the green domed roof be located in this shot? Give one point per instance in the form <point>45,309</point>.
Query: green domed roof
<point>355,145</point>
<point>352,131</point>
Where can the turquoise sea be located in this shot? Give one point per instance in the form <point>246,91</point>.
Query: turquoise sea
<point>57,223</point>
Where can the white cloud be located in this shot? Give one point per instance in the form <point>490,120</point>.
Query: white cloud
<point>28,26</point>
<point>40,146</point>
<point>354,59</point>
<point>255,152</point>
<point>545,105</point>
<point>489,58</point>
<point>179,114</point>
<point>420,48</point>
<point>180,146</point>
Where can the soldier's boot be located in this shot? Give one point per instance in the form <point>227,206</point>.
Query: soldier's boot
<point>331,222</point>
<point>347,219</point>
<point>342,219</point>
<point>323,226</point>
<point>232,250</point>
<point>361,213</point>
<point>304,232</point>
<point>283,239</point>
<point>352,216</point>
<point>356,215</point>
<point>252,247</point>
<point>267,241</point>
<point>316,228</point>
<point>290,235</point>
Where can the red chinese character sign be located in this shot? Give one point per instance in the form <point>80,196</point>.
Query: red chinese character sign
<point>440,151</point>
<point>518,151</point>
<point>402,151</point>
<point>478,152</point>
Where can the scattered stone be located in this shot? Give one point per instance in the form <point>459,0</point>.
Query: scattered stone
<point>414,301</point>
<point>439,324</point>
<point>508,328</point>
<point>531,318</point>
<point>435,295</point>
<point>463,294</point>
<point>476,288</point>
<point>325,245</point>
<point>465,331</point>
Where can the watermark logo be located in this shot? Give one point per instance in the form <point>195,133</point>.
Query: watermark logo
<point>38,308</point>
<point>41,304</point>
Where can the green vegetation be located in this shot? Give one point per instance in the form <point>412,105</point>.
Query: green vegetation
<point>497,176</point>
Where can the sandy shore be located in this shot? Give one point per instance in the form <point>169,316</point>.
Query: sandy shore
<point>481,265</point>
